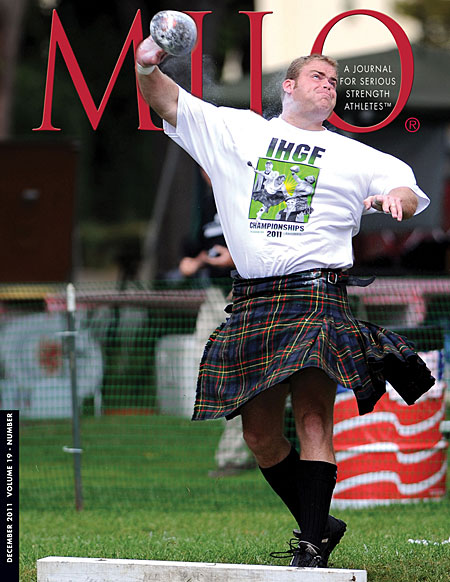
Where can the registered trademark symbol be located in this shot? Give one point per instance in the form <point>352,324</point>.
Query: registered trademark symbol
<point>412,124</point>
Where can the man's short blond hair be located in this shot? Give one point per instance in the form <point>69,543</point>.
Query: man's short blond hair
<point>297,65</point>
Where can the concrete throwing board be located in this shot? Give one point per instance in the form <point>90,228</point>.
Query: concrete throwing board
<point>60,569</point>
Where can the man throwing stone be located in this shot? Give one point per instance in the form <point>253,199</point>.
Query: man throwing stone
<point>291,330</point>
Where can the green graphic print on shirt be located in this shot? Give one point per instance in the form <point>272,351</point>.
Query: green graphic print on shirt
<point>282,191</point>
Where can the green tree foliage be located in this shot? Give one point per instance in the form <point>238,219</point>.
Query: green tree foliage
<point>434,16</point>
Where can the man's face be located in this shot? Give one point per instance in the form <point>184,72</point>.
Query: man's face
<point>291,203</point>
<point>315,87</point>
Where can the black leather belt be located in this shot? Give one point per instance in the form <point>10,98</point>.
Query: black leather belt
<point>340,278</point>
<point>333,276</point>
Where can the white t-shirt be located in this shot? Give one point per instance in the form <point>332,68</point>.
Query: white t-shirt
<point>307,216</point>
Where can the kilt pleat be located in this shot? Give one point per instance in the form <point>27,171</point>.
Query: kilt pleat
<point>281,325</point>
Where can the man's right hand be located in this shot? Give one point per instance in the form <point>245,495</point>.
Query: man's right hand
<point>149,53</point>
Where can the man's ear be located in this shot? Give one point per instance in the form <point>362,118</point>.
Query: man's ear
<point>288,85</point>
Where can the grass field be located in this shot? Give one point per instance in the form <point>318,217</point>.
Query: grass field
<point>147,496</point>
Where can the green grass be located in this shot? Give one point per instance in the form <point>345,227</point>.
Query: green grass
<point>147,496</point>
<point>377,540</point>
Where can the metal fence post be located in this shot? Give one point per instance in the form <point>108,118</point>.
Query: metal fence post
<point>76,436</point>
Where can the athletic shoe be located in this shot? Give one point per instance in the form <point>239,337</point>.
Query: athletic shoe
<point>303,554</point>
<point>306,555</point>
<point>333,534</point>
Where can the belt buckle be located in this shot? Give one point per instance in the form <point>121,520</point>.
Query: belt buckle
<point>332,277</point>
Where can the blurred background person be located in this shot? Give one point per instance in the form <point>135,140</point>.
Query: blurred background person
<point>208,259</point>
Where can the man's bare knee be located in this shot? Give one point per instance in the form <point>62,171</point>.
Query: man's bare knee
<point>268,449</point>
<point>315,424</point>
<point>259,441</point>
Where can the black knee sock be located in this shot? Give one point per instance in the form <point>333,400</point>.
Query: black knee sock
<point>282,477</point>
<point>306,488</point>
<point>316,481</point>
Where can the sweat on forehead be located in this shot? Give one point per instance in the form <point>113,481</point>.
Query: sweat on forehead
<point>296,66</point>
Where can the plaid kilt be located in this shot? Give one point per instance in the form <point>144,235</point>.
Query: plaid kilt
<point>280,325</point>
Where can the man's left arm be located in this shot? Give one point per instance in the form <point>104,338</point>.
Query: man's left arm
<point>401,203</point>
